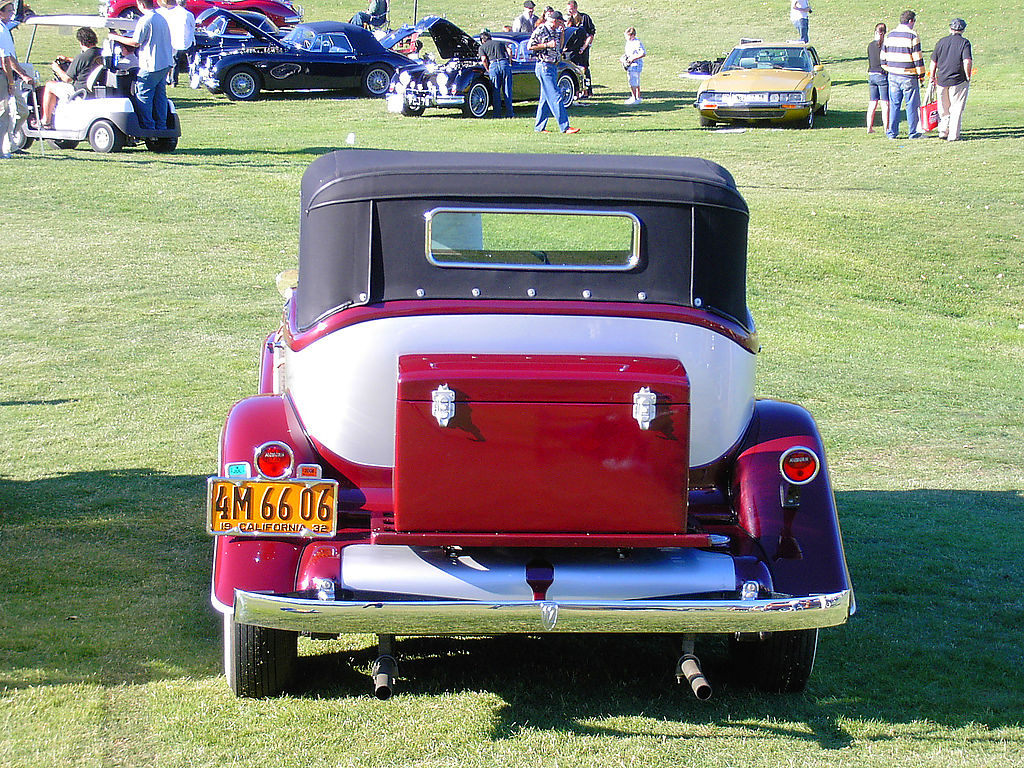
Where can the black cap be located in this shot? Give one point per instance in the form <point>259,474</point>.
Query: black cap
<point>958,25</point>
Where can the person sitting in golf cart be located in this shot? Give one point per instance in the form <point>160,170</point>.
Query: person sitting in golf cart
<point>71,74</point>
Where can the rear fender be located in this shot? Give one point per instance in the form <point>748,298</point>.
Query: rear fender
<point>802,545</point>
<point>244,562</point>
<point>267,363</point>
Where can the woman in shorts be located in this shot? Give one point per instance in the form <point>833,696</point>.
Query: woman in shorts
<point>878,81</point>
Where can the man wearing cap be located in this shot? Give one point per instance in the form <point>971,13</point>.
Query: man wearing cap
<point>527,21</point>
<point>546,43</point>
<point>494,56</point>
<point>902,60</point>
<point>10,96</point>
<point>951,70</point>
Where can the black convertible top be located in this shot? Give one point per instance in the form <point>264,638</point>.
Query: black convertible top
<point>362,231</point>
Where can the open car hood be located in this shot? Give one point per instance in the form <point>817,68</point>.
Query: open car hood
<point>73,21</point>
<point>260,38</point>
<point>451,42</point>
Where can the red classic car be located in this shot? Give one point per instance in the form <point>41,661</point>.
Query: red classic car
<point>283,13</point>
<point>515,394</point>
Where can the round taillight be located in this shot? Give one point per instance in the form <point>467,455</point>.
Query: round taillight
<point>274,460</point>
<point>799,465</point>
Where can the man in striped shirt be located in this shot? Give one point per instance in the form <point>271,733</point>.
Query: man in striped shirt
<point>902,60</point>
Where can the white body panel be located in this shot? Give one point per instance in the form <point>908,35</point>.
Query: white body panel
<point>345,385</point>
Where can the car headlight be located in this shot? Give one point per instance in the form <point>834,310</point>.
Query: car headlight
<point>404,77</point>
<point>442,80</point>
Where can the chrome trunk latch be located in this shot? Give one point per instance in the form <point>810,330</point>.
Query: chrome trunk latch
<point>442,404</point>
<point>645,405</point>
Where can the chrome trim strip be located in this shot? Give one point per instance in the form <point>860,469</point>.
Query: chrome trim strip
<point>450,617</point>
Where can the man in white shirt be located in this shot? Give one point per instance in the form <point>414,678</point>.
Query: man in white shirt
<point>152,40</point>
<point>10,95</point>
<point>183,35</point>
<point>799,14</point>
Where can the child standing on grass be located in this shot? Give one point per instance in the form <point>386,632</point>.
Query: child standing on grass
<point>633,62</point>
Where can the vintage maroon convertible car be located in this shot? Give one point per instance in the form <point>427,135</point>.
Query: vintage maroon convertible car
<point>518,397</point>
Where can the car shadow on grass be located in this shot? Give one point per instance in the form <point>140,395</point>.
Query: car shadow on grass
<point>936,639</point>
<point>106,581</point>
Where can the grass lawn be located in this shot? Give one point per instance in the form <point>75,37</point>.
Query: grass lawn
<point>886,279</point>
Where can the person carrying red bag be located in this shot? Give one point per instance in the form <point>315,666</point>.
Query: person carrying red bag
<point>951,65</point>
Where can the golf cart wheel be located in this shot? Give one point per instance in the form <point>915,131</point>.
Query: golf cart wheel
<point>162,145</point>
<point>376,80</point>
<point>105,137</point>
<point>569,90</point>
<point>19,140</point>
<point>65,143</point>
<point>242,84</point>
<point>478,99</point>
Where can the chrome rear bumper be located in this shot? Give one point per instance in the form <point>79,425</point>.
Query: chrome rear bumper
<point>467,617</point>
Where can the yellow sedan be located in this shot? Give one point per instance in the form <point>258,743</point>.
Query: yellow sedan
<point>769,82</point>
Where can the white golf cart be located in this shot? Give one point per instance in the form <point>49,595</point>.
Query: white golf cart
<point>103,112</point>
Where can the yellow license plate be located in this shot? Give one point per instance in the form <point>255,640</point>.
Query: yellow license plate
<point>306,508</point>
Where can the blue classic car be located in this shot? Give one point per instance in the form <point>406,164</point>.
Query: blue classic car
<point>461,80</point>
<point>323,55</point>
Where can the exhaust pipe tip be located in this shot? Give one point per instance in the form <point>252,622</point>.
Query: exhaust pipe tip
<point>689,669</point>
<point>385,668</point>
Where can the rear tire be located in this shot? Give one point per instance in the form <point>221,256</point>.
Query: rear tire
<point>478,99</point>
<point>259,662</point>
<point>376,80</point>
<point>105,137</point>
<point>780,663</point>
<point>705,122</point>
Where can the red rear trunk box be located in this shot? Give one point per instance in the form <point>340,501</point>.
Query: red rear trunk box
<point>541,444</point>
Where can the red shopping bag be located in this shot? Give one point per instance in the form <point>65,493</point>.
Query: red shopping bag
<point>930,110</point>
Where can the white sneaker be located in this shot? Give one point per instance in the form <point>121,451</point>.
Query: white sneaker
<point>630,100</point>
<point>637,101</point>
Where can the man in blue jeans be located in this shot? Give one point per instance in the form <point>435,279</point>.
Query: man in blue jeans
<point>546,43</point>
<point>152,40</point>
<point>494,56</point>
<point>902,61</point>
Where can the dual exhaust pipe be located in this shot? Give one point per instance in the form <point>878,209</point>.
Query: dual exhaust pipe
<point>385,670</point>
